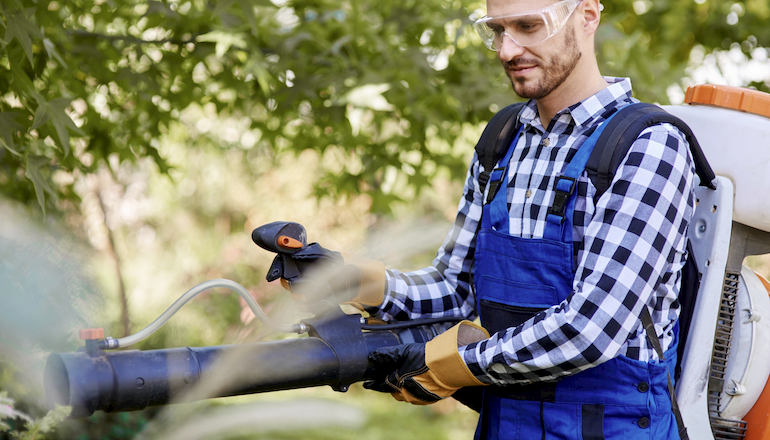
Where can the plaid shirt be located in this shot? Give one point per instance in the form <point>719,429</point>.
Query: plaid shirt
<point>629,247</point>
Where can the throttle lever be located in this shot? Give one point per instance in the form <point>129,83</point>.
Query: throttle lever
<point>283,238</point>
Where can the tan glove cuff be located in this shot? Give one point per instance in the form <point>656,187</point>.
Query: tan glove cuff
<point>371,292</point>
<point>445,362</point>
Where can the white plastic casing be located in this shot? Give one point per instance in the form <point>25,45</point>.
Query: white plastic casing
<point>737,145</point>
<point>709,235</point>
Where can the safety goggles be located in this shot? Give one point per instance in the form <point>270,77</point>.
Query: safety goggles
<point>525,28</point>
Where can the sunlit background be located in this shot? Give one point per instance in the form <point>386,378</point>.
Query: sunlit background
<point>142,142</point>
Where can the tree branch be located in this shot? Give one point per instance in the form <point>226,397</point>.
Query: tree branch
<point>124,318</point>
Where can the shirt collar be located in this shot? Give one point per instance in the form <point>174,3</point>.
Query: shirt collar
<point>588,110</point>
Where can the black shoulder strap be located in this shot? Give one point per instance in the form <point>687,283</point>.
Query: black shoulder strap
<point>688,295</point>
<point>496,138</point>
<point>649,329</point>
<point>622,130</point>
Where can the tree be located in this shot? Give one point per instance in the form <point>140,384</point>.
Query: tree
<point>652,41</point>
<point>387,85</point>
<point>319,75</point>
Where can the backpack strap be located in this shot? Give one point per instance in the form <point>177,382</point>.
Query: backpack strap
<point>623,130</point>
<point>496,139</point>
<point>649,329</point>
<point>688,294</point>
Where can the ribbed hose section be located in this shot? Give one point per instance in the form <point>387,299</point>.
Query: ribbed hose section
<point>724,429</point>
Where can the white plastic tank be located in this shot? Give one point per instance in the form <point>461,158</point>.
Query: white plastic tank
<point>732,125</point>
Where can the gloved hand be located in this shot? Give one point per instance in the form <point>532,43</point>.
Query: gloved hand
<point>323,274</point>
<point>426,373</point>
<point>313,273</point>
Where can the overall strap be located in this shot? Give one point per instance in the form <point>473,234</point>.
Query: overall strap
<point>496,138</point>
<point>652,336</point>
<point>494,213</point>
<point>564,187</point>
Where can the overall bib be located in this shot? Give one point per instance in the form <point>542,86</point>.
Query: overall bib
<point>515,278</point>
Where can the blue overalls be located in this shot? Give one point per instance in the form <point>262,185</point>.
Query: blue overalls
<point>515,278</point>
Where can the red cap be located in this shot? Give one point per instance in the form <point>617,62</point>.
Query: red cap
<point>91,333</point>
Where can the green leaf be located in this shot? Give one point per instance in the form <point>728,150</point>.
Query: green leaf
<point>51,49</point>
<point>8,125</point>
<point>22,84</point>
<point>248,12</point>
<point>47,423</point>
<point>34,164</point>
<point>54,111</point>
<point>41,116</point>
<point>163,166</point>
<point>7,411</point>
<point>22,26</point>
<point>224,41</point>
<point>62,121</point>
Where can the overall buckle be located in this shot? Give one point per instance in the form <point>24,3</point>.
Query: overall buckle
<point>564,187</point>
<point>496,179</point>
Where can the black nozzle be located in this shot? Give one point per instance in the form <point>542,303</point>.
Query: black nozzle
<point>269,237</point>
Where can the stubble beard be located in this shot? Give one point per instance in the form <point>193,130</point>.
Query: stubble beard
<point>554,72</point>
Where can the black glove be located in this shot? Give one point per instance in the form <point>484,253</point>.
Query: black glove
<point>401,365</point>
<point>314,273</point>
<point>292,266</point>
<point>426,373</point>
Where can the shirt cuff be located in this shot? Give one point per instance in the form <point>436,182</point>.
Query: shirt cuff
<point>469,354</point>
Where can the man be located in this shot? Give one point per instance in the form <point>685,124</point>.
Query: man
<point>561,297</point>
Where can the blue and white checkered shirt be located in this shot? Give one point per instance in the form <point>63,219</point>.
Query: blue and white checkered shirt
<point>630,248</point>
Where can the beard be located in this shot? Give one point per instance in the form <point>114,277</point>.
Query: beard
<point>555,70</point>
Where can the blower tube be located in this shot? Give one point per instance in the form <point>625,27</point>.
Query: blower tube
<point>133,379</point>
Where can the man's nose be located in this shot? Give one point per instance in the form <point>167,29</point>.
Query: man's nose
<point>509,49</point>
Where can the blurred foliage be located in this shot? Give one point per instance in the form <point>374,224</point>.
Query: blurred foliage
<point>29,429</point>
<point>387,84</point>
<point>106,426</point>
<point>652,41</point>
<point>307,414</point>
<point>45,293</point>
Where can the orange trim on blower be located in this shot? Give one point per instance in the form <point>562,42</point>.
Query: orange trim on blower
<point>91,333</point>
<point>758,419</point>
<point>736,98</point>
<point>287,242</point>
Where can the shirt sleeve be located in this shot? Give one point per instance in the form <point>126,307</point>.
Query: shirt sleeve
<point>634,249</point>
<point>443,289</point>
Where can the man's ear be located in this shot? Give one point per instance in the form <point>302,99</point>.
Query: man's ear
<point>591,15</point>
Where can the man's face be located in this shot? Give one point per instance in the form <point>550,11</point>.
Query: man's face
<point>536,71</point>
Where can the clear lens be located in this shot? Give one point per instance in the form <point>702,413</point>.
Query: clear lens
<point>525,29</point>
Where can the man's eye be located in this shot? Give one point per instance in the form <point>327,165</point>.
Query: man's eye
<point>496,29</point>
<point>528,26</point>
